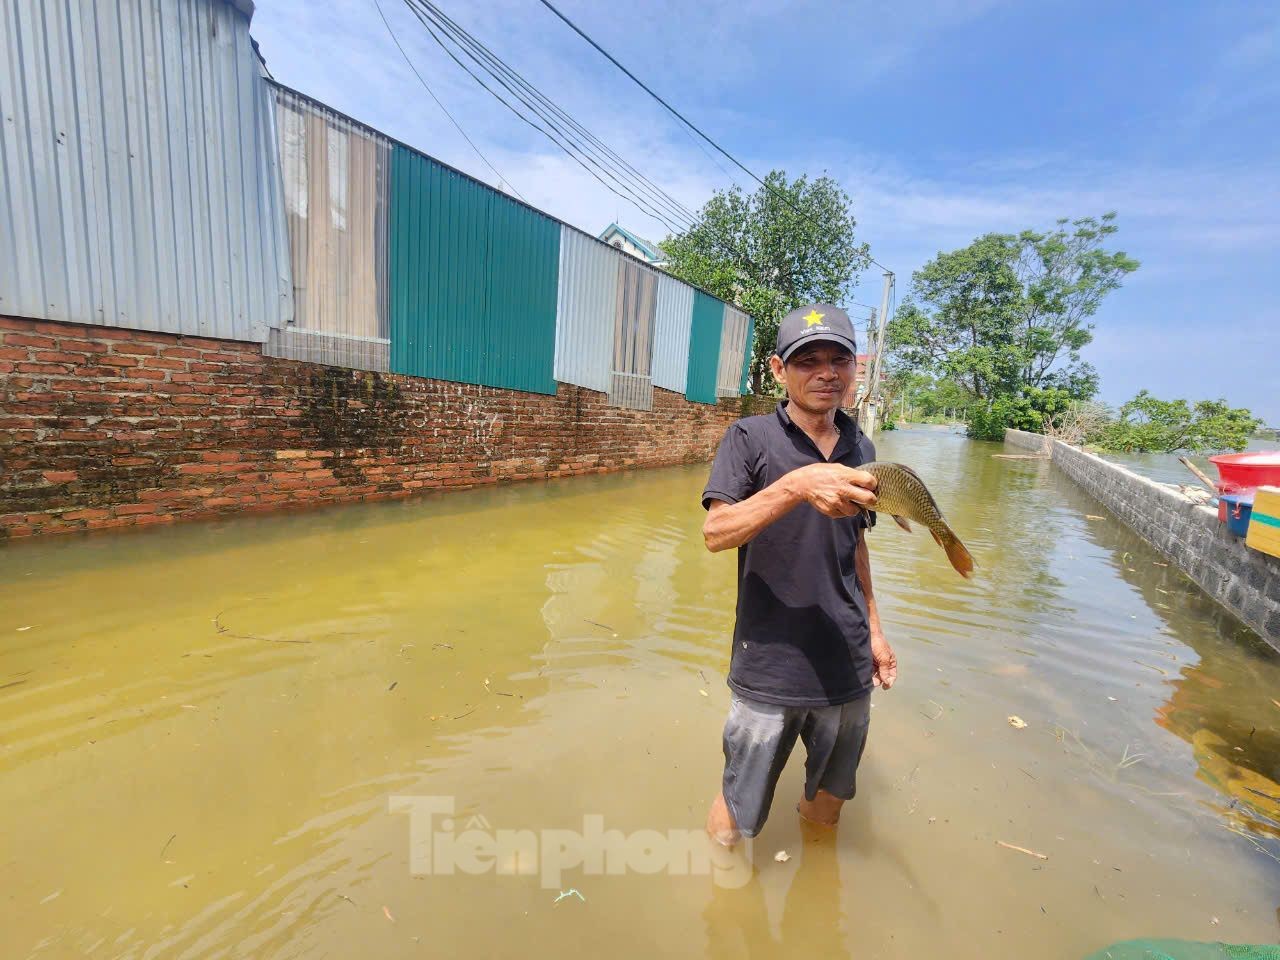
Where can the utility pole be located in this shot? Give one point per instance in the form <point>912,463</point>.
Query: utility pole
<point>871,405</point>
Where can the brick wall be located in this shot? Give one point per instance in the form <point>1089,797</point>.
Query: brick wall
<point>1244,581</point>
<point>101,427</point>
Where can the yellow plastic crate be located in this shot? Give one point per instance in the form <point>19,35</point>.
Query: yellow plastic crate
<point>1264,522</point>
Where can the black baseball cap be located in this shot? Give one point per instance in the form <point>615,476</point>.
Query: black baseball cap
<point>816,321</point>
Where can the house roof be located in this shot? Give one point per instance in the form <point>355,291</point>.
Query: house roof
<point>651,250</point>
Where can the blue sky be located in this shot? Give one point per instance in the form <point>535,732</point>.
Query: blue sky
<point>944,119</point>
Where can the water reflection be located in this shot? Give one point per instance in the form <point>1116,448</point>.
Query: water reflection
<point>550,651</point>
<point>1225,703</point>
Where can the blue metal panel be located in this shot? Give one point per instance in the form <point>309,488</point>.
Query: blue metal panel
<point>473,278</point>
<point>585,311</point>
<point>138,177</point>
<point>671,334</point>
<point>704,347</point>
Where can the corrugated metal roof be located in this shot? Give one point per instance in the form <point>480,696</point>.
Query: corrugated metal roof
<point>473,280</point>
<point>704,347</point>
<point>671,334</point>
<point>585,311</point>
<point>138,164</point>
<point>652,252</point>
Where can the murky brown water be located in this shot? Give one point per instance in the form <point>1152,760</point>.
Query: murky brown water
<point>202,728</point>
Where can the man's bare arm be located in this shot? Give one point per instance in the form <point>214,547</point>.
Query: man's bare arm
<point>886,662</point>
<point>833,489</point>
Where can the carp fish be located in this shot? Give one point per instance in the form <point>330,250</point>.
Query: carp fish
<point>901,493</point>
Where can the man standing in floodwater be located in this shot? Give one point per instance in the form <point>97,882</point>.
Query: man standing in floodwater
<point>807,647</point>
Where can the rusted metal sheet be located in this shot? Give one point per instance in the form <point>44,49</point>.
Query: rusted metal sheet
<point>335,175</point>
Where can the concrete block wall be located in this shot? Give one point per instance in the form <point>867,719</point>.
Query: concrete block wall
<point>1244,581</point>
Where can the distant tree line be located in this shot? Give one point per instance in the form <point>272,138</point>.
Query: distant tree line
<point>991,335</point>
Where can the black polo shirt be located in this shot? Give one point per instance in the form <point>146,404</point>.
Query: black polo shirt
<point>802,636</point>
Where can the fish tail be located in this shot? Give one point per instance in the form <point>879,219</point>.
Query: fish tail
<point>957,552</point>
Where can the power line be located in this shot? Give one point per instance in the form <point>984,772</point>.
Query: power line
<point>426,86</point>
<point>604,159</point>
<point>677,114</point>
<point>626,187</point>
<point>551,113</point>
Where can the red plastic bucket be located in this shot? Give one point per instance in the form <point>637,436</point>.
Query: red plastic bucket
<point>1247,471</point>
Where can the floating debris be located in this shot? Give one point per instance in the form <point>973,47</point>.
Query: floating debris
<point>1030,853</point>
<point>782,856</point>
<point>704,693</point>
<point>25,629</point>
<point>387,912</point>
<point>571,892</point>
<point>1017,722</point>
<point>1090,516</point>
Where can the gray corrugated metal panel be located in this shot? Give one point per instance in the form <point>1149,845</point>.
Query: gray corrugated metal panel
<point>585,308</point>
<point>671,334</point>
<point>631,390</point>
<point>137,185</point>
<point>358,353</point>
<point>733,339</point>
<point>633,321</point>
<point>335,178</point>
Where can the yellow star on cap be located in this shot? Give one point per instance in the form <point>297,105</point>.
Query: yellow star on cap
<point>813,318</point>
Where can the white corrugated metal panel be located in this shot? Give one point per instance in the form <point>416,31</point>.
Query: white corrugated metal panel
<point>634,391</point>
<point>633,321</point>
<point>585,311</point>
<point>671,334</point>
<point>733,341</point>
<point>336,177</point>
<point>631,384</point>
<point>137,178</point>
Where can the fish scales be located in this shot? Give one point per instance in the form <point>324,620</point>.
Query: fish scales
<point>901,493</point>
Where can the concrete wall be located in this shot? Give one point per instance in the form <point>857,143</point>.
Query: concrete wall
<point>1244,581</point>
<point>101,427</point>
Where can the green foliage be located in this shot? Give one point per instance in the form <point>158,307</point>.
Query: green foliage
<point>1010,312</point>
<point>787,244</point>
<point>1149,424</point>
<point>923,399</point>
<point>1029,410</point>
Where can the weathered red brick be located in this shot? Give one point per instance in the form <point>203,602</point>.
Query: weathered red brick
<point>26,340</point>
<point>60,476</point>
<point>134,509</point>
<point>90,514</point>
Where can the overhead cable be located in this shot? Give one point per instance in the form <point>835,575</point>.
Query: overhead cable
<point>445,110</point>
<point>677,114</point>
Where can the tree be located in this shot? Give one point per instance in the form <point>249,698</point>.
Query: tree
<point>787,244</point>
<point>1012,312</point>
<point>1149,424</point>
<point>1030,410</point>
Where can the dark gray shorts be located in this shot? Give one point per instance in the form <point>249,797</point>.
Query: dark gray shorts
<point>758,738</point>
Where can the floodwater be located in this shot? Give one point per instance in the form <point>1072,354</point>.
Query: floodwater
<point>203,729</point>
<point>1166,468</point>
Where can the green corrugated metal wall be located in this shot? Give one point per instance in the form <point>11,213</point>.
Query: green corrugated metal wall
<point>704,347</point>
<point>473,279</point>
<point>746,354</point>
